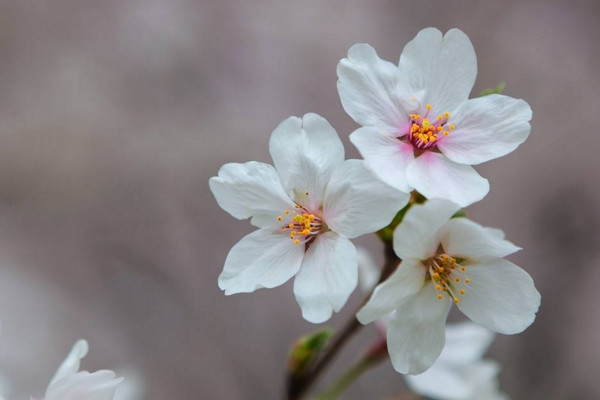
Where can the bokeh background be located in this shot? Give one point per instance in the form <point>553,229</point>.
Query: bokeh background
<point>114,114</point>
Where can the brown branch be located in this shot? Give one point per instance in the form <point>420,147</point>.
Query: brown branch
<point>298,385</point>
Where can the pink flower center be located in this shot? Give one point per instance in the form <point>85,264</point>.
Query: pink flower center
<point>424,133</point>
<point>303,225</point>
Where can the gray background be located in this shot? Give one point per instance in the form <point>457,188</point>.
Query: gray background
<point>115,113</point>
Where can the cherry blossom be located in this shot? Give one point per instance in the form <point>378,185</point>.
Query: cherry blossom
<point>307,207</point>
<point>419,129</point>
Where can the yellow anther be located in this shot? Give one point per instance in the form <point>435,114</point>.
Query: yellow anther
<point>435,276</point>
<point>280,218</point>
<point>307,193</point>
<point>462,291</point>
<point>467,281</point>
<point>438,287</point>
<point>440,118</point>
<point>296,241</point>
<point>440,296</point>
<point>428,106</point>
<point>457,279</point>
<point>287,212</point>
<point>456,300</point>
<point>446,133</point>
<point>446,114</point>
<point>451,126</point>
<point>290,225</point>
<point>463,269</point>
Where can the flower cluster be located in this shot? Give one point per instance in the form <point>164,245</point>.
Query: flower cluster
<point>420,135</point>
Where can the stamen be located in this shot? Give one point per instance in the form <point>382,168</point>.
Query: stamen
<point>423,133</point>
<point>303,224</point>
<point>447,276</point>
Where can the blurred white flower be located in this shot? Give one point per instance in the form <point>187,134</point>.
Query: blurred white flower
<point>307,208</point>
<point>420,130</point>
<point>447,260</point>
<point>71,384</point>
<point>460,373</point>
<point>368,272</point>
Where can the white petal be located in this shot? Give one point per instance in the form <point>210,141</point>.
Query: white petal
<point>440,382</point>
<point>445,67</point>
<point>369,90</point>
<point>263,258</point>
<point>464,238</point>
<point>368,272</point>
<point>404,283</point>
<point>328,276</point>
<point>483,378</point>
<point>486,128</point>
<point>416,332</point>
<point>356,202</point>
<point>465,342</point>
<point>71,364</point>
<point>100,385</point>
<point>417,236</point>
<point>249,190</point>
<point>436,177</point>
<point>305,151</point>
<point>501,297</point>
<point>385,155</point>
<point>449,382</point>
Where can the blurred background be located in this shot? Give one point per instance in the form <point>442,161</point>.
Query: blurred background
<point>114,114</point>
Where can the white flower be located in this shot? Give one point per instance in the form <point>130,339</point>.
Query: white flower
<point>460,373</point>
<point>447,260</point>
<point>420,130</point>
<point>307,208</point>
<point>368,272</point>
<point>71,384</point>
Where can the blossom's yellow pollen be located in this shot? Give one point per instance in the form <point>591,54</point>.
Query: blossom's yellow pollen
<point>467,281</point>
<point>451,127</point>
<point>423,132</point>
<point>448,276</point>
<point>302,224</point>
<point>307,193</point>
<point>440,296</point>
